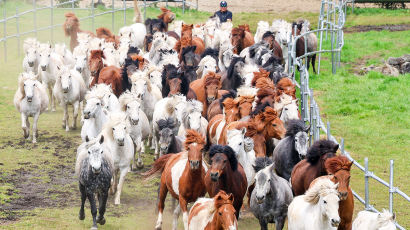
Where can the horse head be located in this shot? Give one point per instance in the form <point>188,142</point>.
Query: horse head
<point>238,35</point>
<point>29,86</point>
<point>230,110</point>
<point>270,123</point>
<point>118,128</point>
<point>31,55</point>
<point>194,144</point>
<point>95,62</point>
<point>339,168</point>
<point>95,155</point>
<point>71,23</point>
<point>166,134</point>
<point>133,110</point>
<point>212,85</point>
<point>236,140</point>
<point>225,213</point>
<point>188,56</point>
<point>167,15</point>
<point>289,112</point>
<point>245,105</point>
<point>263,179</point>
<point>223,161</point>
<point>92,108</point>
<point>44,56</point>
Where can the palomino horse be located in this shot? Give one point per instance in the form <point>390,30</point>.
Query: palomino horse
<point>207,89</point>
<point>182,175</point>
<point>313,166</point>
<point>110,75</point>
<point>226,174</point>
<point>71,28</point>
<point>241,38</point>
<point>213,213</point>
<point>338,169</point>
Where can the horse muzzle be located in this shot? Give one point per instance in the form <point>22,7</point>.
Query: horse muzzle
<point>120,142</point>
<point>87,115</point>
<point>96,171</point>
<point>259,200</point>
<point>94,73</point>
<point>65,90</point>
<point>214,176</point>
<point>29,99</point>
<point>43,68</point>
<point>343,195</point>
<point>79,69</point>
<point>194,164</point>
<point>31,64</point>
<point>134,122</point>
<point>335,222</point>
<point>210,99</point>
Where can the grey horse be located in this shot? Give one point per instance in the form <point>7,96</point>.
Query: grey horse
<point>291,149</point>
<point>271,196</point>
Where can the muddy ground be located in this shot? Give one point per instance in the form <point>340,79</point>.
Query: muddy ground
<point>365,28</point>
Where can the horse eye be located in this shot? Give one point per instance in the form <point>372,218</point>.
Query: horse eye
<point>24,84</point>
<point>224,161</point>
<point>240,143</point>
<point>98,103</point>
<point>325,202</point>
<point>124,128</point>
<point>113,128</point>
<point>274,125</point>
<point>89,152</point>
<point>69,76</point>
<point>286,108</point>
<point>49,55</point>
<point>220,213</point>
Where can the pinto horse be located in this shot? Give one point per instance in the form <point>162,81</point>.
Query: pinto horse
<point>207,89</point>
<point>71,28</point>
<point>213,213</point>
<point>110,75</point>
<point>269,38</point>
<point>173,82</point>
<point>241,38</point>
<point>225,173</point>
<point>338,169</point>
<point>182,175</point>
<point>313,166</point>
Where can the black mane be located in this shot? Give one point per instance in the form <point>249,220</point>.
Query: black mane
<point>320,148</point>
<point>172,72</point>
<point>268,34</point>
<point>124,74</point>
<point>211,52</point>
<point>228,151</point>
<point>188,49</point>
<point>260,108</point>
<point>234,78</point>
<point>133,50</point>
<point>230,94</point>
<point>261,163</point>
<point>166,123</point>
<point>295,126</point>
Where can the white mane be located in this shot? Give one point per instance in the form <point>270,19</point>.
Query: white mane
<point>98,91</point>
<point>322,187</point>
<point>30,43</point>
<point>247,91</point>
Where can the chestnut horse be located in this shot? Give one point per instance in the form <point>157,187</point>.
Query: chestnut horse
<point>182,175</point>
<point>241,38</point>
<point>213,213</point>
<point>167,17</point>
<point>71,27</point>
<point>338,169</point>
<point>106,34</point>
<point>207,89</point>
<point>313,166</point>
<point>225,173</point>
<point>216,107</point>
<point>110,75</point>
<point>188,40</point>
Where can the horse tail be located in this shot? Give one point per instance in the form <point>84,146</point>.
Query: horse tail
<point>103,32</point>
<point>137,13</point>
<point>158,166</point>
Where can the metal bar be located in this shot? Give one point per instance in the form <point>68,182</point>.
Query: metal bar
<point>112,17</point>
<point>328,130</point>
<point>5,35</point>
<point>391,188</point>
<point>35,17</point>
<point>51,20</point>
<point>18,32</point>
<point>320,48</point>
<point>311,119</point>
<point>72,5</point>
<point>145,10</point>
<point>125,12</point>
<point>366,183</point>
<point>183,6</point>
<point>92,15</point>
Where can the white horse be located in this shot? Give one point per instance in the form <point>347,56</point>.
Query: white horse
<point>289,112</point>
<point>166,108</point>
<point>30,61</point>
<point>155,76</point>
<point>111,103</point>
<point>263,27</point>
<point>243,147</point>
<point>81,63</point>
<point>206,65</point>
<point>317,209</point>
<point>47,69</point>
<point>191,118</point>
<point>119,142</point>
<point>69,89</point>
<point>65,54</point>
<point>140,129</point>
<point>30,100</point>
<point>137,31</point>
<point>374,221</point>
<point>95,116</point>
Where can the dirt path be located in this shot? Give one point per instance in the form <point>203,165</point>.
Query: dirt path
<point>365,28</point>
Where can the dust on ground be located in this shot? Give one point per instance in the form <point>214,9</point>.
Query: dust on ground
<point>366,28</point>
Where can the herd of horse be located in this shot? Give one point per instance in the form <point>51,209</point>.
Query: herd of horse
<point>216,105</point>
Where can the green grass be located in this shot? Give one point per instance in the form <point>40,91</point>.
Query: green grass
<point>370,112</point>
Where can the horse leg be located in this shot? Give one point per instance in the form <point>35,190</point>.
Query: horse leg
<point>52,98</point>
<point>163,190</point>
<point>133,166</point>
<point>35,132</point>
<point>309,58</point>
<point>102,205</point>
<point>26,130</point>
<point>280,222</point>
<point>177,211</point>
<point>113,187</point>
<point>313,62</point>
<point>93,206</point>
<point>81,215</point>
<point>183,205</point>
<point>141,151</point>
<point>65,118</point>
<point>82,112</point>
<point>123,173</point>
<point>76,106</point>
<point>262,223</point>
<point>156,155</point>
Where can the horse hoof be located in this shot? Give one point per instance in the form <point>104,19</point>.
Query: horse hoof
<point>94,228</point>
<point>101,221</point>
<point>81,215</point>
<point>140,165</point>
<point>34,142</point>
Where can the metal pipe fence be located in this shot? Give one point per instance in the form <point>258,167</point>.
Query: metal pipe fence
<point>310,112</point>
<point>62,6</point>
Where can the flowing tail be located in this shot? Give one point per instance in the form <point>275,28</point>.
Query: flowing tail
<point>158,166</point>
<point>103,32</point>
<point>137,13</point>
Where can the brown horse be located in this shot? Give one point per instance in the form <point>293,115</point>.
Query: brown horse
<point>71,27</point>
<point>225,173</point>
<point>106,34</point>
<point>214,213</point>
<point>269,38</point>
<point>300,43</point>
<point>338,169</point>
<point>207,89</point>
<point>167,16</point>
<point>110,75</point>
<point>216,107</point>
<point>286,86</point>
<point>188,40</point>
<point>189,185</point>
<point>313,166</point>
<point>241,39</point>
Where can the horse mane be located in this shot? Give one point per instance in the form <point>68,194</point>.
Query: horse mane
<point>320,148</point>
<point>264,83</point>
<point>247,91</point>
<point>186,27</point>
<point>166,123</point>
<point>229,103</point>
<point>124,73</point>
<point>260,109</point>
<point>133,50</point>
<point>211,52</point>
<point>212,78</point>
<point>261,163</point>
<point>245,27</point>
<point>251,129</point>
<point>238,32</point>
<point>286,85</point>
<point>268,34</point>
<point>98,91</point>
<point>269,114</point>
<point>146,79</point>
<point>113,120</point>
<point>384,217</point>
<point>294,126</point>
<point>231,69</point>
<point>231,94</point>
<point>257,75</point>
<point>192,106</point>
<point>223,201</point>
<point>126,98</point>
<point>97,54</point>
<point>187,49</point>
<point>104,33</point>
<point>264,92</point>
<point>335,164</point>
<point>193,136</point>
<point>322,187</point>
<point>228,151</point>
<point>138,59</point>
<point>22,78</point>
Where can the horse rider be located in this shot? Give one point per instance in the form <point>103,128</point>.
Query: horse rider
<point>224,14</point>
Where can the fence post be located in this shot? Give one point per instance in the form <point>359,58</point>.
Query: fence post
<point>35,17</point>
<point>145,10</point>
<point>328,130</point>
<point>92,13</point>
<point>302,88</point>
<point>5,34</point>
<point>342,146</point>
<point>366,184</point>
<point>18,31</point>
<point>51,20</point>
<point>320,47</point>
<point>391,188</point>
<point>112,17</point>
<point>72,5</point>
<point>183,6</point>
<point>125,12</point>
<point>311,118</point>
<point>317,122</point>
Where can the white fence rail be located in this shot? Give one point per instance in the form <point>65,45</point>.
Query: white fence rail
<point>331,21</point>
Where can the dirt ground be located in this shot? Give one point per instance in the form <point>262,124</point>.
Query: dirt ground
<point>365,28</point>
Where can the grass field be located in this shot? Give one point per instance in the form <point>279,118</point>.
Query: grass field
<point>371,112</point>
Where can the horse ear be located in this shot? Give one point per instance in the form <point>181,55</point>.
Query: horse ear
<point>394,216</point>
<point>231,198</point>
<point>335,148</point>
<point>58,67</point>
<point>193,48</point>
<point>192,26</point>
<point>87,139</point>
<point>307,129</point>
<point>101,139</point>
<point>243,130</point>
